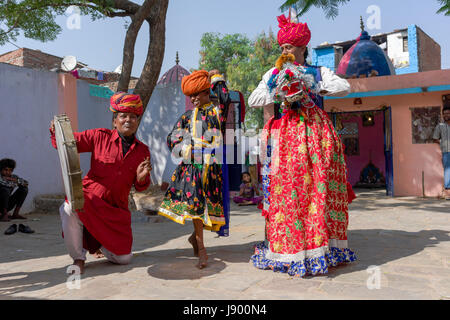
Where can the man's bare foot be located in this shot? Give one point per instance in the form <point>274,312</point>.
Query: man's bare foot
<point>5,218</point>
<point>80,265</point>
<point>194,244</point>
<point>98,254</point>
<point>203,258</point>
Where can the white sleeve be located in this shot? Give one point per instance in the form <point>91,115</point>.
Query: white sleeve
<point>335,85</point>
<point>261,97</point>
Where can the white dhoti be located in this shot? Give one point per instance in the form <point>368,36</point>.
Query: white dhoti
<point>73,237</point>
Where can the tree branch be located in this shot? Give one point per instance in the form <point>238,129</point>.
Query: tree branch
<point>155,55</point>
<point>130,41</point>
<point>126,6</point>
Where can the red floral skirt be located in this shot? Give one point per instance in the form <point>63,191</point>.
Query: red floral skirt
<point>306,205</point>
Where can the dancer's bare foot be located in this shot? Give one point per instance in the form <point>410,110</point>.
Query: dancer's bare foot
<point>203,258</point>
<point>80,265</point>
<point>98,254</point>
<point>192,240</point>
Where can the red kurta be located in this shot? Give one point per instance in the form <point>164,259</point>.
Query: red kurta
<point>106,188</point>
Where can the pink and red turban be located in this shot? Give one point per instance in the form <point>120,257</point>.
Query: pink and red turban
<point>125,102</point>
<point>297,34</point>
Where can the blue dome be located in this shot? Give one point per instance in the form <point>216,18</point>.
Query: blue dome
<point>364,58</point>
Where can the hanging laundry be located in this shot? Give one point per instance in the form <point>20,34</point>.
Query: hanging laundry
<point>88,74</point>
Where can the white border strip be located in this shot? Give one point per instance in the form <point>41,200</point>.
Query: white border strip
<point>300,256</point>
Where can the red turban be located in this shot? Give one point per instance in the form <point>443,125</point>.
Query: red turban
<point>124,102</point>
<point>297,34</point>
<point>196,82</point>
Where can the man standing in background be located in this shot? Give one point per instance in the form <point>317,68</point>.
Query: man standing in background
<point>442,135</point>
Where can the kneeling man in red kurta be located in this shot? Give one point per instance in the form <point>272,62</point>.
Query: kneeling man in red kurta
<point>118,161</point>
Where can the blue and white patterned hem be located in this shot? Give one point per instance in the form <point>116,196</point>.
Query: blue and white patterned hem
<point>308,265</point>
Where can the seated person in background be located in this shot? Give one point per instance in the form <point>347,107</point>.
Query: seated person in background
<point>247,192</point>
<point>8,199</point>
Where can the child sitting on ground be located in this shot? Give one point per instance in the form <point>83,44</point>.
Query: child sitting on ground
<point>247,192</point>
<point>8,199</point>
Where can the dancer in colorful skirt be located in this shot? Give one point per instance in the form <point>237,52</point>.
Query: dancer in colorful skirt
<point>305,175</point>
<point>118,161</point>
<point>196,189</point>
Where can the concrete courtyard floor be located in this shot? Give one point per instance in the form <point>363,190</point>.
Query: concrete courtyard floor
<point>407,239</point>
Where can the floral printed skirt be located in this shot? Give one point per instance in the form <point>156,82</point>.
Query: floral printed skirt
<point>306,196</point>
<point>195,192</point>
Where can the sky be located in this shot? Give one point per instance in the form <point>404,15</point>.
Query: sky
<point>99,44</point>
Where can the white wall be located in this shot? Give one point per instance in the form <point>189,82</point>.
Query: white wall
<point>29,99</point>
<point>395,49</point>
<point>166,105</point>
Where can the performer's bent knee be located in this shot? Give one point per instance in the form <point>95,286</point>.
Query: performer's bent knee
<point>122,259</point>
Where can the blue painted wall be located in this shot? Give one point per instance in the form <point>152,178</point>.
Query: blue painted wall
<point>413,52</point>
<point>323,57</point>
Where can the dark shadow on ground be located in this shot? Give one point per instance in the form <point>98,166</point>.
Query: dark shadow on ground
<point>372,247</point>
<point>179,264</point>
<point>48,234</point>
<point>378,246</point>
<point>170,264</point>
<point>48,242</point>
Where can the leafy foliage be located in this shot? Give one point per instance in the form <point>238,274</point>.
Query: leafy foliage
<point>218,51</point>
<point>445,9</point>
<point>245,74</point>
<point>243,62</point>
<point>36,18</point>
<point>330,7</point>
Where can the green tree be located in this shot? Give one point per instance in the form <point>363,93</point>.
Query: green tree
<point>217,50</point>
<point>243,62</point>
<point>36,19</point>
<point>245,74</point>
<point>330,7</point>
<point>445,9</point>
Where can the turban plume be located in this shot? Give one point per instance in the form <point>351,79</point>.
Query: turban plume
<point>124,102</point>
<point>296,34</point>
<point>196,82</point>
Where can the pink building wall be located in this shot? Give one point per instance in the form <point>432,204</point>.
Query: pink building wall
<point>409,160</point>
<point>67,98</point>
<point>371,145</point>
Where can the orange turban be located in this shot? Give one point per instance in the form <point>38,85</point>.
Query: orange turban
<point>297,34</point>
<point>124,102</point>
<point>196,82</point>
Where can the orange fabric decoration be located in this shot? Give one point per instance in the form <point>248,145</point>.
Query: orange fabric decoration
<point>196,82</point>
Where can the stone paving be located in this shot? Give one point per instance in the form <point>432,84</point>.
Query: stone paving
<point>404,241</point>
